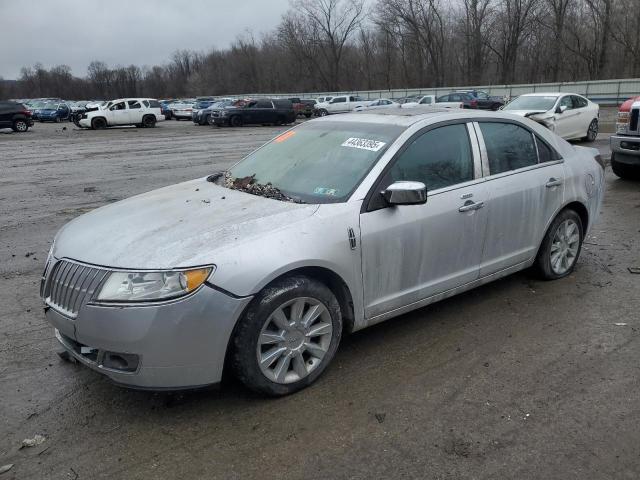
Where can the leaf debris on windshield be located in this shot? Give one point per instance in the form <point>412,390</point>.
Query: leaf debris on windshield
<point>249,185</point>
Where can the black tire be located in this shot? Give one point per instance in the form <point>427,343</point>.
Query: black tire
<point>543,260</point>
<point>20,126</point>
<point>211,121</point>
<point>495,107</point>
<point>149,121</point>
<point>622,170</point>
<point>205,120</point>
<point>236,121</point>
<point>592,131</point>
<point>98,123</point>
<point>246,336</point>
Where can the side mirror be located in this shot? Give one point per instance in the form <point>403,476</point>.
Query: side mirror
<point>406,193</point>
<point>561,109</point>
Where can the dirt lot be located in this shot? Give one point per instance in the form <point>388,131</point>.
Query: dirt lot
<point>518,379</point>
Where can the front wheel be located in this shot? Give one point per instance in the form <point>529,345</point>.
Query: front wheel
<point>322,112</point>
<point>561,246</point>
<point>236,121</point>
<point>287,337</point>
<point>98,123</point>
<point>592,131</point>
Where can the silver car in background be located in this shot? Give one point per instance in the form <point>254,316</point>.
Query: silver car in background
<point>334,225</point>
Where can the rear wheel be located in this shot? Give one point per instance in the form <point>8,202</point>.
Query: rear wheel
<point>98,123</point>
<point>561,246</point>
<point>287,337</point>
<point>149,121</point>
<point>20,126</point>
<point>592,131</point>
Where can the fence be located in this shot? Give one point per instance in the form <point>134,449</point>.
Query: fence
<point>604,92</point>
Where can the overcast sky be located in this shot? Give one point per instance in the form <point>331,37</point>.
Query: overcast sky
<point>122,32</point>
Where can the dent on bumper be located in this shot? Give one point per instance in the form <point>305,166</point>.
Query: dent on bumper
<point>180,344</point>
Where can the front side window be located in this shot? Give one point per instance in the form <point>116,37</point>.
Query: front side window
<point>438,158</point>
<point>579,102</point>
<point>425,100</point>
<point>318,163</point>
<point>118,106</point>
<point>264,104</point>
<point>566,102</point>
<point>444,98</point>
<point>509,146</point>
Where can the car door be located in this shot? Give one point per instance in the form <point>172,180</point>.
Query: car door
<point>525,181</point>
<point>118,114</point>
<point>5,114</point>
<point>136,111</point>
<point>264,112</point>
<point>567,121</point>
<point>583,117</point>
<point>338,105</point>
<point>412,252</point>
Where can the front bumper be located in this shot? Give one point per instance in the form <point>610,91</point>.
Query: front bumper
<point>626,149</point>
<point>179,344</point>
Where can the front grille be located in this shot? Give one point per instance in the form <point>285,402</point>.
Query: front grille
<point>70,285</point>
<point>633,121</point>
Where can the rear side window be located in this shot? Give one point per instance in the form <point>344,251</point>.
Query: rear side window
<point>509,146</point>
<point>339,100</point>
<point>545,153</point>
<point>438,158</point>
<point>263,104</point>
<point>134,104</point>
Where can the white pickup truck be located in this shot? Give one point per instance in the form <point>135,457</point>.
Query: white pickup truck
<point>340,104</point>
<point>141,112</point>
<point>432,100</point>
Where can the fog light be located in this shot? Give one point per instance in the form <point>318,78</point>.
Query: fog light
<point>124,362</point>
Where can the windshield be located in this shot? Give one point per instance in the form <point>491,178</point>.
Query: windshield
<point>532,102</point>
<point>319,162</point>
<point>50,106</point>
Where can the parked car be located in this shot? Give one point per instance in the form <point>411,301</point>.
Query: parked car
<point>309,107</point>
<point>467,100</point>
<point>203,117</point>
<point>333,226</point>
<point>199,106</point>
<point>569,115</point>
<point>298,106</point>
<point>485,101</point>
<point>15,116</point>
<point>625,144</point>
<point>165,109</point>
<point>260,111</point>
<point>182,110</point>
<point>141,112</point>
<point>325,99</point>
<point>52,112</point>
<point>430,100</point>
<point>379,103</point>
<point>340,104</point>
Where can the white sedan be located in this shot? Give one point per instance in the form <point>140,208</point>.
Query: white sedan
<point>379,103</point>
<point>569,115</point>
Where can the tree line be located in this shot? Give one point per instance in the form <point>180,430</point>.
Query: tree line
<point>334,45</point>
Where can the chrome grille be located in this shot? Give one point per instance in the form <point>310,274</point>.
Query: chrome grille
<point>633,120</point>
<point>70,285</point>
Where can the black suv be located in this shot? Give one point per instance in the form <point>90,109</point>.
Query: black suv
<point>261,111</point>
<point>15,115</point>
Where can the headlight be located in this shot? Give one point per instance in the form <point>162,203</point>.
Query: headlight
<point>622,122</point>
<point>224,113</point>
<point>151,286</point>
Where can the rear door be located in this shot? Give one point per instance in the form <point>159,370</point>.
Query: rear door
<point>136,111</point>
<point>525,182</point>
<point>412,252</point>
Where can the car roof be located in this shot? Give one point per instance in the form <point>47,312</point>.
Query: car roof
<point>406,117</point>
<point>548,94</point>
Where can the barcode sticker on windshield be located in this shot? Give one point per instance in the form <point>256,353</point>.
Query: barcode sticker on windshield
<point>363,144</point>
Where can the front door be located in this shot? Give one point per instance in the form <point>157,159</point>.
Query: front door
<point>568,122</point>
<point>412,252</point>
<point>118,114</point>
<point>525,181</point>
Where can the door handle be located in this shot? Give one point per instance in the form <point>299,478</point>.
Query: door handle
<point>470,205</point>
<point>553,182</point>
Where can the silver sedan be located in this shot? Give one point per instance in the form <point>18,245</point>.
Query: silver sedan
<point>334,225</point>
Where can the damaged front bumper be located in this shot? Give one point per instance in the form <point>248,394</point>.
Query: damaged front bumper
<point>173,345</point>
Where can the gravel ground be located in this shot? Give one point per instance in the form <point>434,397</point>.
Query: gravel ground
<point>517,379</point>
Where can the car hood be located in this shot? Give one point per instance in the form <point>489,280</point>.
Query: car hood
<point>177,226</point>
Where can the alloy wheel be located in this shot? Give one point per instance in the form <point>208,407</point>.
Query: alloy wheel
<point>294,340</point>
<point>592,133</point>
<point>21,126</point>
<point>564,247</point>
